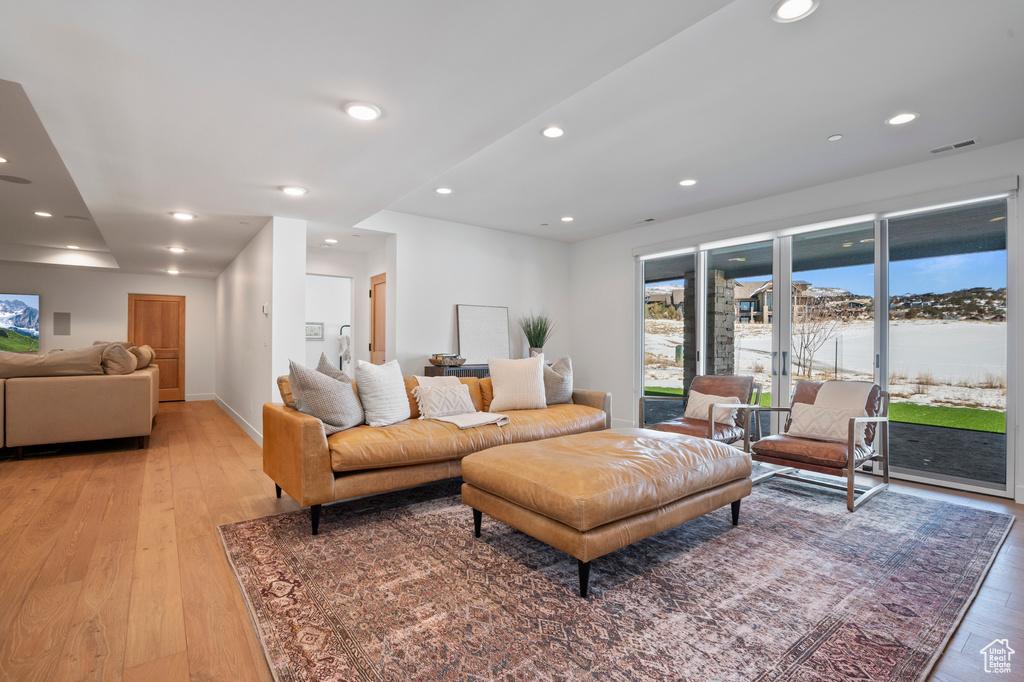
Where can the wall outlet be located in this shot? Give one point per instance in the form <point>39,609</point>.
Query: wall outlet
<point>250,408</point>
<point>266,341</point>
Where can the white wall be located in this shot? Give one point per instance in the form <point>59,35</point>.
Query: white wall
<point>253,347</point>
<point>98,303</point>
<point>439,264</point>
<point>603,294</point>
<point>328,300</point>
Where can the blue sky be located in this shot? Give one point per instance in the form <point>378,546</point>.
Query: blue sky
<point>938,275</point>
<point>30,299</point>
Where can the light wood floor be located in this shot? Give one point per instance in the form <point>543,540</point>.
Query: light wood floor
<point>111,567</point>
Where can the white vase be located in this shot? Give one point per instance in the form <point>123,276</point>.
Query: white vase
<point>535,350</point>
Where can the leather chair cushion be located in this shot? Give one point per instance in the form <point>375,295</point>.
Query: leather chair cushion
<point>418,441</point>
<point>796,449</point>
<point>588,480</point>
<point>699,427</point>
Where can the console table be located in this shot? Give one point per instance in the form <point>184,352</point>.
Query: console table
<point>479,371</point>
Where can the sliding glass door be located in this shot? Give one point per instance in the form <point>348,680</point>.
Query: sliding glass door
<point>670,334</point>
<point>947,345</point>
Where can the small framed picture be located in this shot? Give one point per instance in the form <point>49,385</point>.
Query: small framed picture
<point>314,331</point>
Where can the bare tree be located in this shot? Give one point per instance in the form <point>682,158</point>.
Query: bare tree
<point>813,326</point>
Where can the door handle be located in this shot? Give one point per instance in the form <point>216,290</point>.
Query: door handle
<point>775,355</point>
<point>784,372</point>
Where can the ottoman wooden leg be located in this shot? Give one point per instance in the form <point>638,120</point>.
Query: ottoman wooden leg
<point>477,519</point>
<point>736,513</point>
<point>584,577</point>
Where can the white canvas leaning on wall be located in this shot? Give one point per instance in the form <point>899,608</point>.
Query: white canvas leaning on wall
<point>483,333</point>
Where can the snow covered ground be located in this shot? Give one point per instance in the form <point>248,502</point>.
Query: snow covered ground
<point>953,362</point>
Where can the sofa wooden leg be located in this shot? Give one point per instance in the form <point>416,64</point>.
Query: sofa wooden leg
<point>736,513</point>
<point>314,516</point>
<point>478,517</point>
<point>143,442</point>
<point>277,489</point>
<point>19,452</point>
<point>584,577</point>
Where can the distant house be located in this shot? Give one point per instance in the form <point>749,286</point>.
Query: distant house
<point>753,300</point>
<point>673,299</point>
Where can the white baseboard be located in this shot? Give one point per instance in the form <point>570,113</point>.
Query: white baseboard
<point>622,423</point>
<point>196,397</point>
<point>1019,494</point>
<point>246,426</point>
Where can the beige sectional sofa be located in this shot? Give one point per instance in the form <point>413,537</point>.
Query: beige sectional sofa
<point>315,469</point>
<point>80,402</point>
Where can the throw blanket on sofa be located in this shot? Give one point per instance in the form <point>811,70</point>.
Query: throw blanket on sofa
<point>468,421</point>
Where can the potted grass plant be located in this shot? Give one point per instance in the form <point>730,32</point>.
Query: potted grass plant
<point>538,329</point>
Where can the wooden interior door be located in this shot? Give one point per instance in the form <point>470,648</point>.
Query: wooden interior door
<point>159,322</point>
<point>378,307</point>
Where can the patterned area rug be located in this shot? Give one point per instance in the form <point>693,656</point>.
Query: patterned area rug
<point>396,587</point>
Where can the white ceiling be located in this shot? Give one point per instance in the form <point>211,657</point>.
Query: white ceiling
<point>211,107</point>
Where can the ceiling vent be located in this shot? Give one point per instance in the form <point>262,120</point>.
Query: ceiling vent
<point>645,220</point>
<point>955,145</point>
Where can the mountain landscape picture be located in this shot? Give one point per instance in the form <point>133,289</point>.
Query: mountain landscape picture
<point>19,323</point>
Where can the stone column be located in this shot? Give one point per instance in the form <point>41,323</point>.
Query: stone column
<point>721,324</point>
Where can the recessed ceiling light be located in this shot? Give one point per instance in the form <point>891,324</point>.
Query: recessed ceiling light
<point>552,131</point>
<point>331,241</point>
<point>362,111</point>
<point>867,241</point>
<point>181,215</point>
<point>325,246</point>
<point>44,214</point>
<point>687,183</point>
<point>998,218</point>
<point>3,160</point>
<point>74,248</point>
<point>786,11</point>
<point>175,249</point>
<point>567,219</point>
<point>847,244</point>
<point>900,119</point>
<point>294,191</point>
<point>738,259</point>
<point>443,190</point>
<point>835,138</point>
<point>172,271</point>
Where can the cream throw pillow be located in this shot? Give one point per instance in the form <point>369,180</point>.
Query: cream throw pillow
<point>824,423</point>
<point>117,360</point>
<point>698,404</point>
<point>382,392</point>
<point>518,384</point>
<point>443,401</point>
<point>144,354</point>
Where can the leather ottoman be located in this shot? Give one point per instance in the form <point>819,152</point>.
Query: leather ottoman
<point>590,494</point>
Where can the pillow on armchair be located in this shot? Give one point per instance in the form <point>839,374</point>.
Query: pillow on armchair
<point>697,405</point>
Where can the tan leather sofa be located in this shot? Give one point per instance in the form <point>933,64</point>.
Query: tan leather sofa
<point>314,469</point>
<point>38,410</point>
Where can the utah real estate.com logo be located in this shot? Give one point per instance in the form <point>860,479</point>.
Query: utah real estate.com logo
<point>997,656</point>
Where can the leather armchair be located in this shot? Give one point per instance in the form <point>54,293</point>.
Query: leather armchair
<point>741,387</point>
<point>794,453</point>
